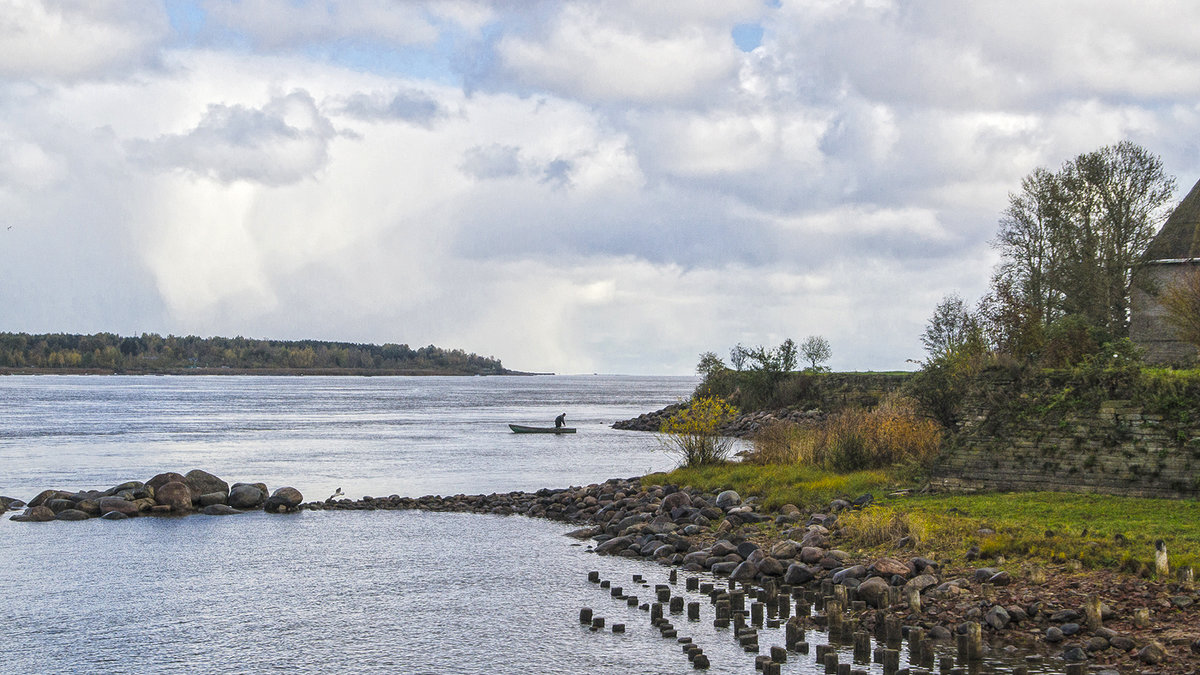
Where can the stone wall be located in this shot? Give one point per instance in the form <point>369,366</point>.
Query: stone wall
<point>1148,326</point>
<point>1011,439</point>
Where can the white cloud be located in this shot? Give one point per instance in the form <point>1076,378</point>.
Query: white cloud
<point>72,39</point>
<point>283,142</point>
<point>601,56</point>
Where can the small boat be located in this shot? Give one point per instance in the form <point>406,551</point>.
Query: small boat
<point>522,429</point>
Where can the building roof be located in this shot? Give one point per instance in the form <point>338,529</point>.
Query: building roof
<point>1180,236</point>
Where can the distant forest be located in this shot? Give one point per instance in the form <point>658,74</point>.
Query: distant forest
<point>151,353</point>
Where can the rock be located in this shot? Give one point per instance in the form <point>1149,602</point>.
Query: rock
<point>245,496</point>
<point>854,571</point>
<point>744,572</point>
<point>863,500</point>
<point>919,565</point>
<point>581,533</point>
<point>921,582</point>
<point>122,506</point>
<point>175,494</point>
<point>811,555</point>
<point>114,515</point>
<point>784,549</point>
<point>839,505</point>
<point>38,514</point>
<point>728,499</point>
<point>874,591</point>
<point>1016,613</point>
<point>771,567</point>
<point>789,510</point>
<point>1070,628</point>
<point>797,575</point>
<point>58,504</point>
<point>284,499</point>
<point>71,514</point>
<point>1000,579</point>
<point>88,506</point>
<point>1196,646</point>
<point>939,633</point>
<point>1152,654</point>
<point>613,545</point>
<point>46,495</point>
<point>983,574</point>
<point>723,548</point>
<point>1054,635</point>
<point>212,498</point>
<point>1180,601</point>
<point>1065,616</point>
<point>219,510</point>
<point>202,482</point>
<point>1074,654</point>
<point>162,479</point>
<point>1096,644</point>
<point>887,567</point>
<point>724,568</point>
<point>746,549</point>
<point>997,617</point>
<point>673,501</point>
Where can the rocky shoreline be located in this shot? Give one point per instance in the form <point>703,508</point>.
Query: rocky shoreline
<point>166,494</point>
<point>1098,620</point>
<point>1138,625</point>
<point>743,425</point>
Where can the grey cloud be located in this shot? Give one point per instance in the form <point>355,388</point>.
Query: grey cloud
<point>283,142</point>
<point>558,173</point>
<point>492,161</point>
<point>409,105</point>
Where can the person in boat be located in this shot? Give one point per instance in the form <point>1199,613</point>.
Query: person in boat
<point>560,421</point>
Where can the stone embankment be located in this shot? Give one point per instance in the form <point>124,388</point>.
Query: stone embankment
<point>165,494</point>
<point>744,425</point>
<point>1086,620</point>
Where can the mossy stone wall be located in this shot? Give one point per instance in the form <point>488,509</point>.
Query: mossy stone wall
<point>1044,433</point>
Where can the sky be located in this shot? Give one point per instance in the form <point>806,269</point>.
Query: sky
<point>611,186</point>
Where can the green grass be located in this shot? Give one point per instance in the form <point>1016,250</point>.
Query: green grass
<point>1101,531</point>
<point>776,484</point>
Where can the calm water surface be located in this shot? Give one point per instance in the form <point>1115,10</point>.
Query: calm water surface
<point>320,592</point>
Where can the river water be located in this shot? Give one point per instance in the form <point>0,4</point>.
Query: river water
<point>318,592</point>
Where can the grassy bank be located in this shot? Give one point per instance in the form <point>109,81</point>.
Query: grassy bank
<point>1099,531</point>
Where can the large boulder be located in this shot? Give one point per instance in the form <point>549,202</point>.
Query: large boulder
<point>921,582</point>
<point>58,505</point>
<point>614,545</point>
<point>117,504</point>
<point>203,482</point>
<point>175,494</point>
<point>673,501</point>
<point>247,496</point>
<point>219,510</point>
<point>889,567</point>
<point>162,479</point>
<point>797,575</point>
<point>46,495</point>
<point>212,498</point>
<point>874,591</point>
<point>38,514</point>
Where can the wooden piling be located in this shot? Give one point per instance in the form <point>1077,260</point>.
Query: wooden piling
<point>706,588</point>
<point>631,600</point>
<point>778,654</point>
<point>693,583</point>
<point>891,661</point>
<point>756,614</point>
<point>1187,578</point>
<point>663,592</point>
<point>915,637</point>
<point>618,628</point>
<point>912,598</point>
<point>737,600</point>
<point>793,633</point>
<point>783,606</point>
<point>605,583</point>
<point>594,576</point>
<point>617,592</point>
<point>677,604</point>
<point>893,630</point>
<point>585,615</point>
<point>700,662</point>
<point>673,577</point>
<point>1091,610</point>
<point>656,612</point>
<point>862,646</point>
<point>597,622</point>
<point>1141,617</point>
<point>974,641</point>
<point>693,611</point>
<point>1162,567</point>
<point>1076,669</point>
<point>831,662</point>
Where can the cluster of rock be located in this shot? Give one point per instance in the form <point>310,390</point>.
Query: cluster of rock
<point>165,494</point>
<point>743,425</point>
<point>699,531</point>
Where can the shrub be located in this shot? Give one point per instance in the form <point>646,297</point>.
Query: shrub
<point>891,434</point>
<point>693,433</point>
<point>783,443</point>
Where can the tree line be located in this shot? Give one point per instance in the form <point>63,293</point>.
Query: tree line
<point>150,353</point>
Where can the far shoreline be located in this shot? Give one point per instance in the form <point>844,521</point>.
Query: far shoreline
<point>278,372</point>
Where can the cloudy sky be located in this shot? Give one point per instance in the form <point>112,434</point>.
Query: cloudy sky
<point>604,186</point>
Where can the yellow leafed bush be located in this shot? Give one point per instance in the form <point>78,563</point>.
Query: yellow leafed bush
<point>694,432</point>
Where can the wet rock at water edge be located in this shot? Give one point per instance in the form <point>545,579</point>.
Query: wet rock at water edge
<point>162,479</point>
<point>284,499</point>
<point>219,510</point>
<point>247,495</point>
<point>202,482</point>
<point>122,506</point>
<point>71,514</point>
<point>175,494</point>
